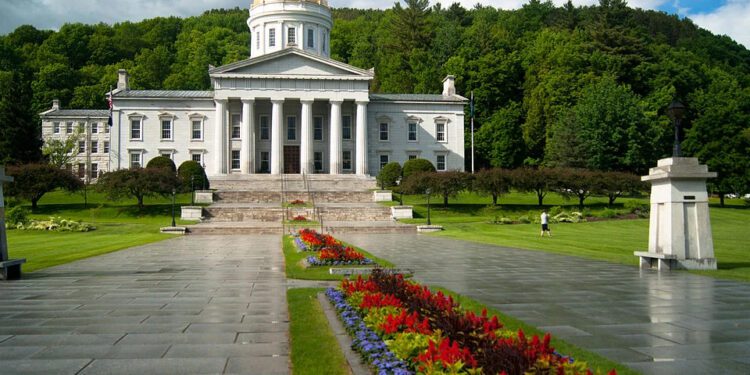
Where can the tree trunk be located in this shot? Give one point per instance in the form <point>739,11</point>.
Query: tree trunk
<point>612,198</point>
<point>494,199</point>
<point>540,199</point>
<point>140,202</point>
<point>721,199</point>
<point>580,202</point>
<point>33,203</point>
<point>445,201</point>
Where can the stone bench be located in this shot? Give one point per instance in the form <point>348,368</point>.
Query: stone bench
<point>11,269</point>
<point>659,261</point>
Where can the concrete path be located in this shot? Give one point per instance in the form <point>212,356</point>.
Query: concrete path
<point>196,304</point>
<point>668,323</point>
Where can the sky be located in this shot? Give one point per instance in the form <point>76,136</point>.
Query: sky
<point>723,17</point>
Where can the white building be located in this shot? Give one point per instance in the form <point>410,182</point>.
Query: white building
<point>289,108</point>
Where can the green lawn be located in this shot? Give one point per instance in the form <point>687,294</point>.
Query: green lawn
<point>314,349</point>
<point>119,225</point>
<point>468,218</point>
<point>295,269</point>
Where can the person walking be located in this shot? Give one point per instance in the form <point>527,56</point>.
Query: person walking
<point>545,224</point>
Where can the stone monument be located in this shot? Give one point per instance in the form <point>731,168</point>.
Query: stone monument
<point>679,227</point>
<point>10,269</point>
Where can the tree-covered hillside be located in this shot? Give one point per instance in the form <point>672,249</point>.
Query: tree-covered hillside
<point>561,86</point>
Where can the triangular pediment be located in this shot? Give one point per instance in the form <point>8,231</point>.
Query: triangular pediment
<point>290,62</point>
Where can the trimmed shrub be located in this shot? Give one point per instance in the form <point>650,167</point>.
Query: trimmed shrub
<point>389,175</point>
<point>162,162</point>
<point>192,169</point>
<point>17,215</point>
<point>524,219</point>
<point>416,165</point>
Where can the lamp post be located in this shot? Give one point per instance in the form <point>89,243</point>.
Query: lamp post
<point>192,190</point>
<point>428,192</point>
<point>174,192</point>
<point>676,110</point>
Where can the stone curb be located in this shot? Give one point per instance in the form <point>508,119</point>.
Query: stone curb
<point>345,342</point>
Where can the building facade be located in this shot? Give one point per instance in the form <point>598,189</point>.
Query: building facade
<point>288,108</point>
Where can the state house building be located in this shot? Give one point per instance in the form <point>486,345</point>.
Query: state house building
<point>289,108</point>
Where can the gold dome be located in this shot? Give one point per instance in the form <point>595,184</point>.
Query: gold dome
<point>261,2</point>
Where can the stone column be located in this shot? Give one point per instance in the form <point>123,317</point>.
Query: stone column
<point>276,149</point>
<point>306,147</point>
<point>3,238</point>
<point>335,148</point>
<point>361,144</point>
<point>219,136</point>
<point>247,133</point>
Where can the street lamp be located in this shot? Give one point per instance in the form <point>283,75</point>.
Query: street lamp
<point>428,192</point>
<point>192,190</point>
<point>173,196</point>
<point>676,110</point>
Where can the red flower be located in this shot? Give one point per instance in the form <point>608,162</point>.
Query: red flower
<point>370,300</point>
<point>447,354</point>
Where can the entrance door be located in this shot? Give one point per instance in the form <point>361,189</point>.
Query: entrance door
<point>291,159</point>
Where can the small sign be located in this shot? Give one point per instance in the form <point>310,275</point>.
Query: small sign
<point>690,197</point>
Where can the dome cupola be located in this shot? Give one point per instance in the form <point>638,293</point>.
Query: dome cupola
<point>278,24</point>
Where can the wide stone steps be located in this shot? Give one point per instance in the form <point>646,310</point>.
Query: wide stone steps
<point>236,196</point>
<point>333,227</point>
<point>341,212</point>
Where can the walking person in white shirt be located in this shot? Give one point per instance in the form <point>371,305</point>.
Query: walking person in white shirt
<point>545,224</point>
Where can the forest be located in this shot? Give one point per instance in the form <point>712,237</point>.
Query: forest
<point>569,86</point>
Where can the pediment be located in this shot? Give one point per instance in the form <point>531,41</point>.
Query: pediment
<point>292,63</point>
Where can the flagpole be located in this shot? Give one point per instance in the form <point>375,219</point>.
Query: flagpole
<point>109,124</point>
<point>472,131</point>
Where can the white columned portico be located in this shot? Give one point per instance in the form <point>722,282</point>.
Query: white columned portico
<point>361,144</point>
<point>335,148</point>
<point>306,149</point>
<point>220,136</point>
<point>276,151</point>
<point>248,138</point>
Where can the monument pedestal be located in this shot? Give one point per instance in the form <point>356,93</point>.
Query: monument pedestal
<point>679,227</point>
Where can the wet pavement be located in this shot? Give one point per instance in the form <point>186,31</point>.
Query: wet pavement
<point>655,323</point>
<point>194,304</point>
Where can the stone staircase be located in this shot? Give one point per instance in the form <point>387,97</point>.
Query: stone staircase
<point>260,204</point>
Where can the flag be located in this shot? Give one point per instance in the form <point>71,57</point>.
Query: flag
<point>471,105</point>
<point>109,101</point>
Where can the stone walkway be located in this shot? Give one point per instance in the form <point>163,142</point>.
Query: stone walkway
<point>669,323</point>
<point>196,304</point>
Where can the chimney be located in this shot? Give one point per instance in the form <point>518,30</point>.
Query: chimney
<point>55,104</point>
<point>449,85</point>
<point>122,80</point>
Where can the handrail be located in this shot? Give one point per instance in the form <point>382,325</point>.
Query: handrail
<point>284,215</point>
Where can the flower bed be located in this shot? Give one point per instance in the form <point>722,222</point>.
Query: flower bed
<point>299,218</point>
<point>330,252</point>
<point>401,327</point>
<point>297,202</point>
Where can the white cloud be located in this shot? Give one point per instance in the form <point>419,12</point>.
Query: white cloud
<point>732,19</point>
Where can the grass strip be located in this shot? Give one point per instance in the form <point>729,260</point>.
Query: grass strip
<point>314,349</point>
<point>295,269</point>
<point>596,362</point>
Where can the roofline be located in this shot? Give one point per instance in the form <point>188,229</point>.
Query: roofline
<point>291,76</point>
<point>286,51</point>
<point>462,101</point>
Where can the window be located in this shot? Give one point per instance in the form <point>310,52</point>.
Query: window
<point>135,129</point>
<point>81,147</point>
<point>265,165</point>
<point>257,40</point>
<point>264,131</point>
<point>94,128</point>
<point>440,132</point>
<point>197,130</point>
<point>383,131</point>
<point>383,160</point>
<point>81,170</point>
<point>236,124</point>
<point>346,127</point>
<point>56,127</point>
<point>291,128</point>
<point>235,159</point>
<point>106,147</point>
<point>412,132</point>
<point>94,147</point>
<point>94,170</point>
<point>68,127</point>
<point>166,129</point>
<point>318,161</point>
<point>412,156</point>
<point>167,155</point>
<point>310,38</point>
<point>318,128</point>
<point>291,35</point>
<point>106,128</point>
<point>135,160</point>
<point>323,40</point>
<point>81,127</point>
<point>346,160</point>
<point>440,165</point>
<point>272,37</point>
<point>197,157</point>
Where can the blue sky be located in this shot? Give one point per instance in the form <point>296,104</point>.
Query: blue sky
<point>727,17</point>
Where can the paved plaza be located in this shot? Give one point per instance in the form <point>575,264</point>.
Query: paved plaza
<point>668,323</point>
<point>195,304</point>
